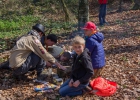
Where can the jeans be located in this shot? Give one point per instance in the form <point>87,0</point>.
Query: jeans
<point>33,62</point>
<point>102,14</point>
<point>66,90</point>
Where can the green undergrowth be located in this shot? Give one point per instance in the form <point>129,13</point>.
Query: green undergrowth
<point>16,26</point>
<point>15,23</point>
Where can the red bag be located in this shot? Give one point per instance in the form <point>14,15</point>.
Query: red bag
<point>104,87</point>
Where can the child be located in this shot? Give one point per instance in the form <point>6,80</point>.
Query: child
<point>56,51</point>
<point>64,57</point>
<point>81,70</point>
<point>94,44</point>
<point>59,53</point>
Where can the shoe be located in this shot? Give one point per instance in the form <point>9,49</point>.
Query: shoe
<point>93,91</point>
<point>41,77</point>
<point>88,89</point>
<point>5,65</point>
<point>106,23</point>
<point>20,77</point>
<point>101,25</point>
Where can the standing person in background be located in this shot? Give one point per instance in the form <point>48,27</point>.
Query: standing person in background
<point>94,45</point>
<point>102,11</point>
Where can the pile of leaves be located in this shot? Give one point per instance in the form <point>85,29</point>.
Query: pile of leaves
<point>122,46</point>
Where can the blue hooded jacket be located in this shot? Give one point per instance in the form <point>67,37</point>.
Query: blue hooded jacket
<point>94,44</point>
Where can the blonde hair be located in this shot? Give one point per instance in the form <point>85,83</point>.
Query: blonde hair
<point>78,40</point>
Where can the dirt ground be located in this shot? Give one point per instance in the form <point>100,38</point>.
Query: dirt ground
<point>122,48</point>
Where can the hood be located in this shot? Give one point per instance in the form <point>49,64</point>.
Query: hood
<point>86,51</point>
<point>98,36</point>
<point>35,33</point>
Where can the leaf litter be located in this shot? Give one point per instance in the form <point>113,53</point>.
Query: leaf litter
<point>122,48</point>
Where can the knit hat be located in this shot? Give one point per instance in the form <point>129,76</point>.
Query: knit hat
<point>89,25</point>
<point>55,51</point>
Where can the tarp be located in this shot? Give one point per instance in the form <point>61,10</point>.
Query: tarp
<point>104,87</point>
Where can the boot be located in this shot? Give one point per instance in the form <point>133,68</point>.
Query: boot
<point>39,76</point>
<point>20,77</point>
<point>88,89</point>
<point>5,65</point>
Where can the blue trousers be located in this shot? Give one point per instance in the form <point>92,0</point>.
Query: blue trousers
<point>66,90</point>
<point>102,14</point>
<point>33,62</point>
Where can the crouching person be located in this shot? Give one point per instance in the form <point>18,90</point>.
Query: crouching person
<point>28,53</point>
<point>82,70</point>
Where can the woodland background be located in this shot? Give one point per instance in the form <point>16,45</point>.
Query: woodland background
<point>63,18</point>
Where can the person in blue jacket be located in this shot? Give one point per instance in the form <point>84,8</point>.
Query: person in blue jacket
<point>94,44</point>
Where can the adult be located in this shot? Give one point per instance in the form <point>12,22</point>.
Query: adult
<point>24,55</point>
<point>102,11</point>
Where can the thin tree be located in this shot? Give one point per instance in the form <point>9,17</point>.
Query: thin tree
<point>83,13</point>
<point>120,6</point>
<point>136,5</point>
<point>67,16</point>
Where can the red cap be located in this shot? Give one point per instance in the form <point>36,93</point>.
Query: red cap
<point>89,25</point>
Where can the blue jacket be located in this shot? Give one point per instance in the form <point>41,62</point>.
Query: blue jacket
<point>94,44</point>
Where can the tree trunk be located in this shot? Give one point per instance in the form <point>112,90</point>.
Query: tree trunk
<point>83,13</point>
<point>35,1</point>
<point>67,16</point>
<point>137,5</point>
<point>120,6</point>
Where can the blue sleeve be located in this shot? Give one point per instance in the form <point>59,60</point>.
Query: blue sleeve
<point>90,44</point>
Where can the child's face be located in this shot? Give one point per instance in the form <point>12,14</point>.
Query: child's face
<point>62,58</point>
<point>78,48</point>
<point>87,32</point>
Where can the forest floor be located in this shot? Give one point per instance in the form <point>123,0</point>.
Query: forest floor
<point>122,48</point>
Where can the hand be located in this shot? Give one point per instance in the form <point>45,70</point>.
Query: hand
<point>71,83</point>
<point>76,83</point>
<point>48,64</point>
<point>62,67</point>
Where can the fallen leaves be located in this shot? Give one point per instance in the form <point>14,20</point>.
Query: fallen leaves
<point>122,48</point>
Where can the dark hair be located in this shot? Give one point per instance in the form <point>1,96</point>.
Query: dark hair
<point>67,55</point>
<point>52,37</point>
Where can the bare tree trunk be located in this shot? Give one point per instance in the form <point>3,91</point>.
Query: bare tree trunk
<point>83,13</point>
<point>137,5</point>
<point>67,16</point>
<point>120,6</point>
<point>35,1</point>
